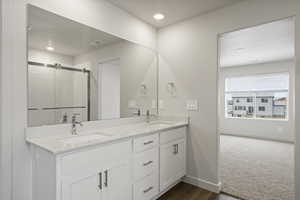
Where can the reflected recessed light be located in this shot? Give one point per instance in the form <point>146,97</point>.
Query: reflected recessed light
<point>50,48</point>
<point>158,16</point>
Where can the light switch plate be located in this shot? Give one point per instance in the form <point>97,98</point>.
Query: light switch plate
<point>192,105</point>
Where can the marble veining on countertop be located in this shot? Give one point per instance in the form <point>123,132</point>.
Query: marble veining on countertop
<point>66,142</point>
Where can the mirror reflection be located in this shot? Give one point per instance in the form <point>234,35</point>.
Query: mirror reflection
<point>75,70</point>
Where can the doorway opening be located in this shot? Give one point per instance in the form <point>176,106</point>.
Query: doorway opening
<point>256,111</point>
<point>109,89</point>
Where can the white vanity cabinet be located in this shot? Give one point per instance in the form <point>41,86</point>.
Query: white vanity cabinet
<point>95,173</point>
<point>146,167</point>
<point>172,157</point>
<point>103,172</point>
<point>110,184</point>
<point>136,168</point>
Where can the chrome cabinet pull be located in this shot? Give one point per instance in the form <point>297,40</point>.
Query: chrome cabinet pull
<point>149,189</point>
<point>106,178</point>
<point>175,148</point>
<point>149,142</point>
<point>148,163</point>
<point>175,151</point>
<point>100,181</point>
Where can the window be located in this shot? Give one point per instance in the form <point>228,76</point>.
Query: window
<point>258,97</point>
<point>261,108</point>
<point>250,110</point>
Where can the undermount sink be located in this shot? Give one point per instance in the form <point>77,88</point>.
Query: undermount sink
<point>116,133</point>
<point>80,139</point>
<point>161,123</point>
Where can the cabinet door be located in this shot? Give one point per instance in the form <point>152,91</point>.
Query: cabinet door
<point>83,188</point>
<point>172,163</point>
<point>118,182</point>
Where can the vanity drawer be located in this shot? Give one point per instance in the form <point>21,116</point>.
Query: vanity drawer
<point>145,163</point>
<point>146,142</point>
<point>147,188</point>
<point>94,160</point>
<point>173,134</point>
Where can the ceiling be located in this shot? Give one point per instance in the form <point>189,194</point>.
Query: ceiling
<point>174,10</point>
<point>260,44</point>
<point>66,36</point>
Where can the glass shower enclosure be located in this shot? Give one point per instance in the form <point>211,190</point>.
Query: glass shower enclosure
<point>56,93</point>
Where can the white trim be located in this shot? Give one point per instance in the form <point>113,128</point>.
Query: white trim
<point>249,136</point>
<point>167,189</point>
<point>99,83</point>
<point>255,91</point>
<point>216,188</point>
<point>6,95</point>
<point>266,119</point>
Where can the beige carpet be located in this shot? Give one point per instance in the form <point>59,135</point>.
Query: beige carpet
<point>257,169</point>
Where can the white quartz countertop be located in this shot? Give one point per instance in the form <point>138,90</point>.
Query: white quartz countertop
<point>66,142</point>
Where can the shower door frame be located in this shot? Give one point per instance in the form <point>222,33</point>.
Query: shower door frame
<point>61,67</point>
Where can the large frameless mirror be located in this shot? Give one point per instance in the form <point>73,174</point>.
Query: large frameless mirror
<point>75,70</point>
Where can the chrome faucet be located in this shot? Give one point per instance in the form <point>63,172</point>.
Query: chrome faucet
<point>148,116</point>
<point>74,123</point>
<point>137,113</point>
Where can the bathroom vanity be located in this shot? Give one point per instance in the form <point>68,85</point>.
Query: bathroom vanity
<point>102,82</point>
<point>138,161</point>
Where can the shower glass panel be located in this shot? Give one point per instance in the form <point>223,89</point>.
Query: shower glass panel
<point>56,94</point>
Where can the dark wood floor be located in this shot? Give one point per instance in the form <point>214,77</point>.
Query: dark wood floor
<point>183,191</point>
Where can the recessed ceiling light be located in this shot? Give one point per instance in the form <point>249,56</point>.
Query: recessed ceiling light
<point>49,47</point>
<point>158,16</point>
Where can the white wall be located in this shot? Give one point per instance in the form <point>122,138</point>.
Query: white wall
<point>261,128</point>
<point>297,104</point>
<point>96,13</point>
<point>46,57</point>
<point>103,16</point>
<point>189,56</point>
<point>1,141</point>
<point>200,65</point>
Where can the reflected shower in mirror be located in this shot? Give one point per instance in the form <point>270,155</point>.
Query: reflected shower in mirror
<point>74,69</point>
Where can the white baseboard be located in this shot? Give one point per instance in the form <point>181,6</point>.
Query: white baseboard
<point>216,188</point>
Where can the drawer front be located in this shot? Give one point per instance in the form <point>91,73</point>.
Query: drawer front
<point>93,160</point>
<point>145,163</point>
<point>144,143</point>
<point>147,188</point>
<point>172,135</point>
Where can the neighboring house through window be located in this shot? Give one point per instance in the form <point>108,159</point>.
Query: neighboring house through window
<point>260,96</point>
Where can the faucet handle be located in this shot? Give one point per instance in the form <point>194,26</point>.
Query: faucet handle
<point>74,119</point>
